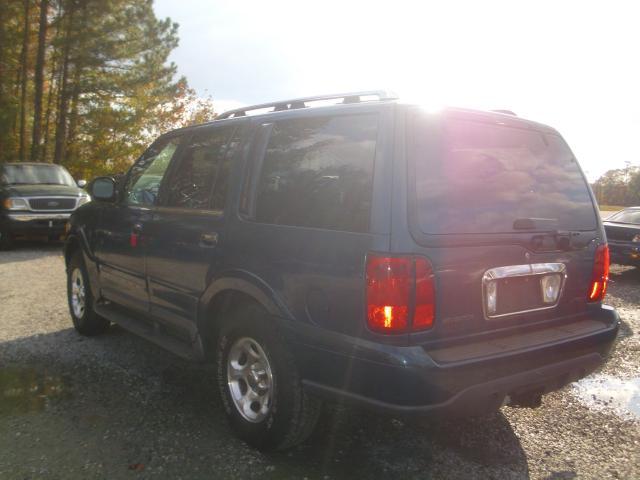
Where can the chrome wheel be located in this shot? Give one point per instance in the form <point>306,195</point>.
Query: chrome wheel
<point>77,293</point>
<point>250,379</point>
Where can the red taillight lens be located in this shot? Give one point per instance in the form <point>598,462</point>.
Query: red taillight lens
<point>392,285</point>
<point>600,276</point>
<point>425,295</point>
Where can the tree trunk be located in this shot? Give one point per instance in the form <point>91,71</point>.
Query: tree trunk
<point>63,104</point>
<point>47,116</point>
<point>23,83</point>
<point>72,147</point>
<point>3,16</point>
<point>39,82</point>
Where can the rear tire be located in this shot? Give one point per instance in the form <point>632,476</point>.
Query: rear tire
<point>85,320</point>
<point>259,383</point>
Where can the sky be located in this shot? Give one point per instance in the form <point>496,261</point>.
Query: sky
<point>571,64</point>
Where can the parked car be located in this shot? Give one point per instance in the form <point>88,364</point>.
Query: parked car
<point>368,252</point>
<point>36,199</point>
<point>623,235</point>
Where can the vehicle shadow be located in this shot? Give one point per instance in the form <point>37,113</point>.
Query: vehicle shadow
<point>25,251</point>
<point>180,398</point>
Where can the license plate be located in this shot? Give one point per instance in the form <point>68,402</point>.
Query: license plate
<point>518,294</point>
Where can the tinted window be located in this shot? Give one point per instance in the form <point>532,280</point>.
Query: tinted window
<point>224,171</point>
<point>318,172</point>
<point>146,175</point>
<point>192,184</point>
<point>477,177</point>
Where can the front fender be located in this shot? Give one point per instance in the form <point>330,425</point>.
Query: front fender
<point>77,240</point>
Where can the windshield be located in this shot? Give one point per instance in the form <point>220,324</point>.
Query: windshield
<point>36,174</point>
<point>484,177</point>
<point>626,216</point>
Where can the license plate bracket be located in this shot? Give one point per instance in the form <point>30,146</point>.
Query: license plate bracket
<point>517,289</point>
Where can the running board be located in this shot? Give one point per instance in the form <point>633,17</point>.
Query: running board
<point>148,331</point>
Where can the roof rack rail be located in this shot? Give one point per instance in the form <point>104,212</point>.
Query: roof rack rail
<point>351,97</point>
<point>506,112</point>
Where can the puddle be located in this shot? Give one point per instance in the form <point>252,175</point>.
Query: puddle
<point>27,390</point>
<point>605,392</point>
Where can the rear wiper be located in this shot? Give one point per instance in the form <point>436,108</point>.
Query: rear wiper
<point>535,224</point>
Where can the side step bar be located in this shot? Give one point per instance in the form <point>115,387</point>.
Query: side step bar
<point>145,330</point>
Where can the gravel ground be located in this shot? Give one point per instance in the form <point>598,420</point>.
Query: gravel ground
<point>117,407</point>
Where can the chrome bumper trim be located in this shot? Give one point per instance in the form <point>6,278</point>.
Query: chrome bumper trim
<point>39,216</point>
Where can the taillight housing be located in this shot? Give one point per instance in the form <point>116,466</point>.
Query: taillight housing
<point>400,293</point>
<point>600,275</point>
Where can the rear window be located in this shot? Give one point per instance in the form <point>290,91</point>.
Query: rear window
<point>318,172</point>
<point>483,177</point>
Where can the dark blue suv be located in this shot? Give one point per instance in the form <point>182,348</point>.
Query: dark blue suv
<point>367,251</point>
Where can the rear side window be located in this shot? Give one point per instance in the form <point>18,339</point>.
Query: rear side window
<point>192,184</point>
<point>485,177</point>
<point>318,172</point>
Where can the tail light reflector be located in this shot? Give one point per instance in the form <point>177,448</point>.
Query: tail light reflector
<point>400,294</point>
<point>600,275</point>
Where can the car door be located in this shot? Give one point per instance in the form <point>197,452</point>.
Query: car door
<point>120,236</point>
<point>185,237</point>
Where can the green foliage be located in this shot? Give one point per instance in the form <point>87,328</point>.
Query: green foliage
<point>619,187</point>
<point>108,86</point>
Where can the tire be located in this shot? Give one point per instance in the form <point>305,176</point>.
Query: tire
<point>85,320</point>
<point>6,242</point>
<point>280,413</point>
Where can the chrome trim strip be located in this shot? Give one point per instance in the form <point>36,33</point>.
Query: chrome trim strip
<point>61,197</point>
<point>40,216</point>
<point>526,270</point>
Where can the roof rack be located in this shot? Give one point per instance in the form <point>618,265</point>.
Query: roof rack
<point>506,112</point>
<point>351,97</point>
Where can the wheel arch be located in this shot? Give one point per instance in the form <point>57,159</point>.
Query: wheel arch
<point>231,291</point>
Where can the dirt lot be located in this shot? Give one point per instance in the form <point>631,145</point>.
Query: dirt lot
<point>116,407</point>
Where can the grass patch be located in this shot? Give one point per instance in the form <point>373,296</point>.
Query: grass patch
<point>610,208</point>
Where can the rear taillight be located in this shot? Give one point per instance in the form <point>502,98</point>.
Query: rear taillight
<point>400,294</point>
<point>600,275</point>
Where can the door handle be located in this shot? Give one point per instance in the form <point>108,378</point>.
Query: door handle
<point>208,240</point>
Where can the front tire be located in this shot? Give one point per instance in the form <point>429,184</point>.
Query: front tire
<point>6,240</point>
<point>85,320</point>
<point>260,387</point>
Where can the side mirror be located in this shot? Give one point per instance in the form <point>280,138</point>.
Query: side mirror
<point>81,183</point>
<point>103,189</point>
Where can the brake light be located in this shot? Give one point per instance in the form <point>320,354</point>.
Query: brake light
<point>600,275</point>
<point>396,288</point>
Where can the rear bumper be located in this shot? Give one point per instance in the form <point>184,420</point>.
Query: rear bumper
<point>624,253</point>
<point>415,380</point>
<point>29,223</point>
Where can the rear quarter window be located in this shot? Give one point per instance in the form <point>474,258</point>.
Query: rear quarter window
<point>318,172</point>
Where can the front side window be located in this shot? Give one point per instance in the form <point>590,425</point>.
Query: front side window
<point>318,172</point>
<point>146,175</point>
<point>191,187</point>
